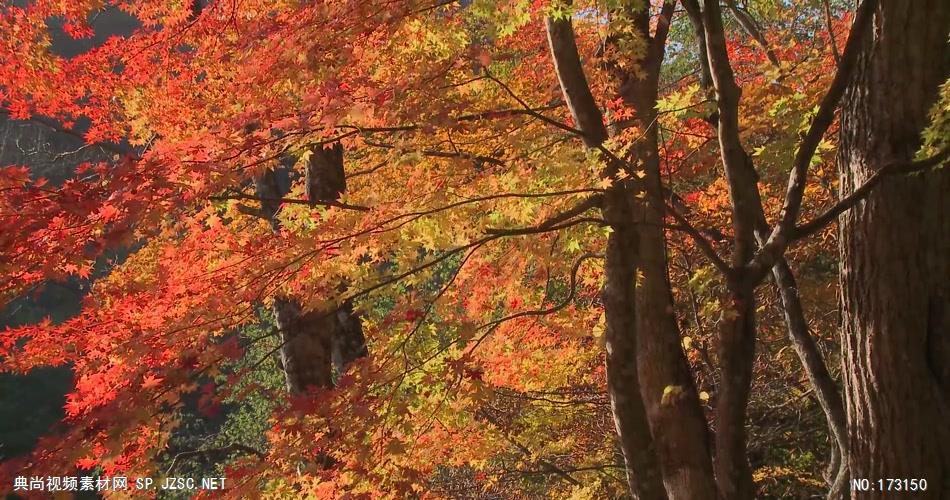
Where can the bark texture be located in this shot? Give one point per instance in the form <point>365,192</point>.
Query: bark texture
<point>325,178</point>
<point>619,296</point>
<point>669,392</point>
<point>348,344</point>
<point>895,271</point>
<point>306,345</point>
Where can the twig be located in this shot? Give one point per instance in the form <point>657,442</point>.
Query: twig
<point>233,447</point>
<point>291,201</point>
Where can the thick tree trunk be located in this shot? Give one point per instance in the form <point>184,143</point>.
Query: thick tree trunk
<point>895,271</point>
<point>349,344</point>
<point>666,382</point>
<point>643,471</point>
<point>316,343</point>
<point>306,345</point>
<point>667,388</point>
<point>306,338</point>
<point>651,387</point>
<point>736,343</point>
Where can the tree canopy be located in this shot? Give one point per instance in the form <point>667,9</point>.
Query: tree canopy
<point>494,197</point>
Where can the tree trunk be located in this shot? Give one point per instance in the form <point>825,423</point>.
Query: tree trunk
<point>306,344</point>
<point>312,343</point>
<point>667,388</point>
<point>736,342</point>
<point>349,344</point>
<point>679,427</point>
<point>736,350</point>
<point>643,472</point>
<point>894,270</point>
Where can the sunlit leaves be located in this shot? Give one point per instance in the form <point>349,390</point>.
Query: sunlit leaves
<point>486,340</point>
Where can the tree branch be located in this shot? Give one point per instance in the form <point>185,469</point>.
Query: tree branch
<point>231,448</point>
<point>528,110</point>
<point>739,170</point>
<point>865,189</point>
<point>445,154</point>
<point>527,452</point>
<point>704,244</point>
<point>831,33</point>
<point>699,34</point>
<point>823,119</point>
<point>751,28</point>
<point>658,41</point>
<point>570,74</point>
<point>291,201</point>
<point>553,221</point>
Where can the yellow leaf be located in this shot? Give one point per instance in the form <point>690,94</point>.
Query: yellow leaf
<point>672,394</point>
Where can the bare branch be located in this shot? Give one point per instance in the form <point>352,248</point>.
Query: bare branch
<point>704,244</point>
<point>699,34</point>
<point>831,33</point>
<point>752,29</point>
<point>445,154</point>
<point>658,42</point>
<point>531,111</point>
<point>253,212</point>
<point>231,448</point>
<point>862,192</point>
<point>823,118</point>
<point>291,201</point>
<point>473,117</point>
<point>570,74</point>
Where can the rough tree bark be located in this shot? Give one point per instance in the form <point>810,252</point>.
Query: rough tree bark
<point>894,270</point>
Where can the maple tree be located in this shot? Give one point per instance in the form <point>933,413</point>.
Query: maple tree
<point>441,248</point>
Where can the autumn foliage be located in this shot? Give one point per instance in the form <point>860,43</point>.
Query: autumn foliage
<point>468,238</point>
